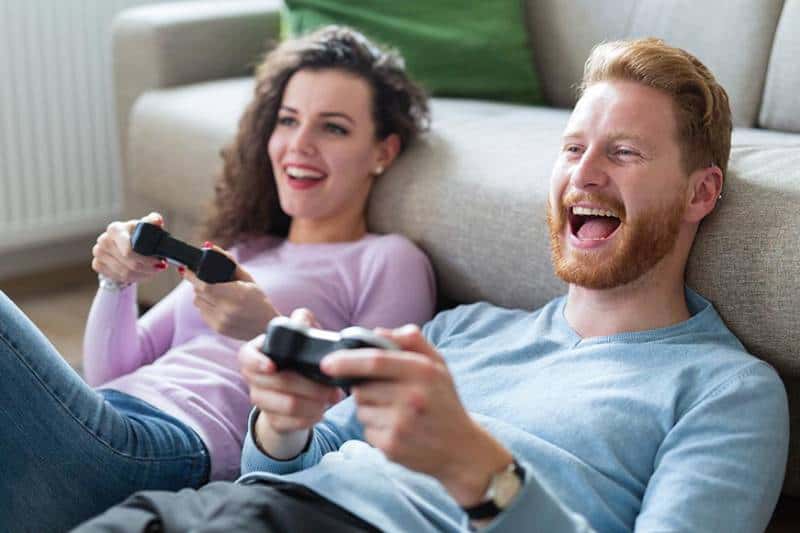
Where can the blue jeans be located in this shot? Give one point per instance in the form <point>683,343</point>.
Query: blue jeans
<point>67,451</point>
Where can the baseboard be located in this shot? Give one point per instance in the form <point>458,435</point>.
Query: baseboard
<point>47,267</point>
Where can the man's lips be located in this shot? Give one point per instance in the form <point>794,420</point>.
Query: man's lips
<point>590,225</point>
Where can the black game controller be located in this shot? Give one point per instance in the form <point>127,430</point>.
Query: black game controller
<point>209,265</point>
<point>293,346</point>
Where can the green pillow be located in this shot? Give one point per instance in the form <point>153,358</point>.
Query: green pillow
<point>471,49</point>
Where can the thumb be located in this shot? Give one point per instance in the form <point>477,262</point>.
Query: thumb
<point>410,338</point>
<point>154,218</point>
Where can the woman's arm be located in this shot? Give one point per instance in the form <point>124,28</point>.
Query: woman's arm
<point>116,343</point>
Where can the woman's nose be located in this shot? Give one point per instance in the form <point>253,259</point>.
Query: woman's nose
<point>302,141</point>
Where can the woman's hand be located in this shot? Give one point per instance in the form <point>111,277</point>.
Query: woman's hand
<point>114,258</point>
<point>237,308</point>
<point>290,404</point>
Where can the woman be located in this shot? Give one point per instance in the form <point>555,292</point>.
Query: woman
<point>169,409</point>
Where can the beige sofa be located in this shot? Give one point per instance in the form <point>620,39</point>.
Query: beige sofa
<point>472,192</point>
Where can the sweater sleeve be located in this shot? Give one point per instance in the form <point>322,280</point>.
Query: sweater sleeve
<point>338,426</point>
<point>116,343</point>
<point>720,468</point>
<point>397,285</point>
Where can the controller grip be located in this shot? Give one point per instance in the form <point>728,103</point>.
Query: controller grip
<point>209,265</point>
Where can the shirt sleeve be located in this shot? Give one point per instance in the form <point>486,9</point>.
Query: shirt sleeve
<point>397,285</point>
<point>116,342</point>
<point>720,468</point>
<point>337,427</point>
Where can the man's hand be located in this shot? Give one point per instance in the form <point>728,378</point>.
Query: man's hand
<point>411,411</point>
<point>237,309</point>
<point>290,404</point>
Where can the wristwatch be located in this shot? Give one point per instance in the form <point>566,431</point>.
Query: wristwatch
<point>503,487</point>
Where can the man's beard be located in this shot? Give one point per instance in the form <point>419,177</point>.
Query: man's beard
<point>642,243</point>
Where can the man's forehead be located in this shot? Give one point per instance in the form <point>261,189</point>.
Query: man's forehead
<point>622,110</point>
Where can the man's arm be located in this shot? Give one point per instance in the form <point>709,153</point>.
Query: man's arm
<point>719,469</point>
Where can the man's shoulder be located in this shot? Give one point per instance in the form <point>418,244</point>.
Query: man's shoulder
<point>479,320</point>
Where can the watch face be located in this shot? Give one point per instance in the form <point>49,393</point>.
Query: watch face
<point>506,485</point>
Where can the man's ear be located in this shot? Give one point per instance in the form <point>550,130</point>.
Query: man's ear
<point>705,188</point>
<point>388,150</point>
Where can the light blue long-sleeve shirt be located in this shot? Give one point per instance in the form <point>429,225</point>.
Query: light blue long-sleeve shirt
<point>673,429</point>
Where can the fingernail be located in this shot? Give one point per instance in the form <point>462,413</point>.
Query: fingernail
<point>208,244</point>
<point>181,270</point>
<point>161,265</point>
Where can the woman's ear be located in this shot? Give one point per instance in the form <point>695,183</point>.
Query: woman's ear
<point>705,189</point>
<point>388,149</point>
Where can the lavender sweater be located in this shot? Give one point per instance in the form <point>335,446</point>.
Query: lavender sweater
<point>173,360</point>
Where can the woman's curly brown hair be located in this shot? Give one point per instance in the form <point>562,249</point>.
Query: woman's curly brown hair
<point>246,203</point>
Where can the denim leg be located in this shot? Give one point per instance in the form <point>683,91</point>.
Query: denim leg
<point>68,452</point>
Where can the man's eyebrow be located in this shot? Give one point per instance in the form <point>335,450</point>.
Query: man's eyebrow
<point>613,136</point>
<point>327,114</point>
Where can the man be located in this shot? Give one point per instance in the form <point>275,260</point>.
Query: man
<point>625,405</point>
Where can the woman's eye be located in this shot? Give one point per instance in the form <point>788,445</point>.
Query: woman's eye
<point>287,121</point>
<point>572,149</point>
<point>335,129</point>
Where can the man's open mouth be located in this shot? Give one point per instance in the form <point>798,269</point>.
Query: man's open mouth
<point>592,224</point>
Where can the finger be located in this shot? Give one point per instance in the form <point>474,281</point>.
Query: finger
<point>154,218</point>
<point>378,393</point>
<point>289,382</point>
<point>252,359</point>
<point>376,418</point>
<point>271,401</point>
<point>378,364</point>
<point>410,338</point>
<point>305,317</point>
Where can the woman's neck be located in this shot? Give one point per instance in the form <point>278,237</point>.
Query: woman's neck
<point>316,231</point>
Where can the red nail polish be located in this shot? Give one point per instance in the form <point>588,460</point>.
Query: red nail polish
<point>208,244</point>
<point>181,270</point>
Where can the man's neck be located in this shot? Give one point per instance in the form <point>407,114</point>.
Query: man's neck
<point>638,306</point>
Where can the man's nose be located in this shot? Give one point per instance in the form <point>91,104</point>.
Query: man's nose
<point>590,171</point>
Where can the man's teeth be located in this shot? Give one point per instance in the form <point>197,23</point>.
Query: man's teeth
<point>303,173</point>
<point>589,211</point>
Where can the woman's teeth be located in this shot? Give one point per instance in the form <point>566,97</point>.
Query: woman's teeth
<point>303,174</point>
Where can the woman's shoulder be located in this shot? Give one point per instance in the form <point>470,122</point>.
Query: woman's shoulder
<point>390,242</point>
<point>250,247</point>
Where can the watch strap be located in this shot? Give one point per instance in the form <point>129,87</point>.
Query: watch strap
<point>489,509</point>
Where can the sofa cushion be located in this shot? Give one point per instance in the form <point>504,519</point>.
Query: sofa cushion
<point>732,37</point>
<point>781,107</point>
<point>175,139</point>
<point>481,48</point>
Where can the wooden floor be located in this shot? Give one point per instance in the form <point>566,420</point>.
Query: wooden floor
<point>58,303</point>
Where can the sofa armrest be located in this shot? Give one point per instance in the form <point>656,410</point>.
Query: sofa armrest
<point>172,44</point>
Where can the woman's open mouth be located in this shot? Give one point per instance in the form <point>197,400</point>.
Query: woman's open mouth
<point>592,224</point>
<point>301,177</point>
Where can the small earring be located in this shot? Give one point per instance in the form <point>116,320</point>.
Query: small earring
<point>379,170</point>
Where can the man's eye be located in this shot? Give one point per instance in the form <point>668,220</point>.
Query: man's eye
<point>335,129</point>
<point>625,153</point>
<point>572,149</point>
